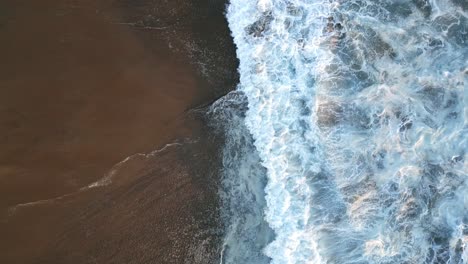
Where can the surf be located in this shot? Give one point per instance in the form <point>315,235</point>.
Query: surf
<point>355,114</point>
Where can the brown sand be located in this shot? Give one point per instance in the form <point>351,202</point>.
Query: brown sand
<point>82,88</point>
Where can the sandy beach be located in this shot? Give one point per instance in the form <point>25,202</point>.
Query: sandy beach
<point>85,85</point>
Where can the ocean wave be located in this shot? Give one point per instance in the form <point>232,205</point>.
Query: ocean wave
<point>357,110</point>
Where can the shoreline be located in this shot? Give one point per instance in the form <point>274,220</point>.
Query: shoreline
<point>81,99</point>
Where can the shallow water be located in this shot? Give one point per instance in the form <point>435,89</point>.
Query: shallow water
<point>357,112</point>
<point>88,90</point>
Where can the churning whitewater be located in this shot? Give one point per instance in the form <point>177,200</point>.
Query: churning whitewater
<point>357,111</point>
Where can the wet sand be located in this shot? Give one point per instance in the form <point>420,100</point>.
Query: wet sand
<point>84,85</point>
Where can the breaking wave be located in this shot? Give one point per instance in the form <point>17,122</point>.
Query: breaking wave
<point>351,145</point>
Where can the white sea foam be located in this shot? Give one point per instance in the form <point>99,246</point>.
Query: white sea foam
<point>358,113</point>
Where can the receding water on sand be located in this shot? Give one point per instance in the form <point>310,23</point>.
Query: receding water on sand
<point>85,84</point>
